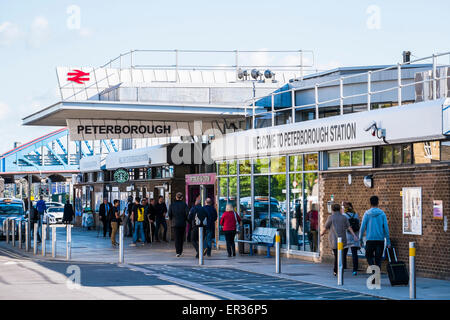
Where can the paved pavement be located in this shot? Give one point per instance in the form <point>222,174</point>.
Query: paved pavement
<point>241,277</point>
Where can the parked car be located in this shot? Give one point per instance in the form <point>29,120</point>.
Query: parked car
<point>51,206</point>
<point>11,208</point>
<point>54,214</point>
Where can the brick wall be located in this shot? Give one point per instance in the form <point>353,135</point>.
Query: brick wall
<point>433,246</point>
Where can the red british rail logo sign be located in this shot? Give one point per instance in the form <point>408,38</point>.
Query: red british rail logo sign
<point>78,76</point>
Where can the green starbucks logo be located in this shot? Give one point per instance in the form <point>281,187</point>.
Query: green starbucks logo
<point>121,175</point>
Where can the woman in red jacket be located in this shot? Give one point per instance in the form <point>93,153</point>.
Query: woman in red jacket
<point>228,223</point>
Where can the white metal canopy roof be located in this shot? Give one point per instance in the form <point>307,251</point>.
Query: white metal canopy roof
<point>56,114</point>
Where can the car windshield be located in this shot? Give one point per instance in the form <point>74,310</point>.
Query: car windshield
<point>11,208</point>
<point>56,210</point>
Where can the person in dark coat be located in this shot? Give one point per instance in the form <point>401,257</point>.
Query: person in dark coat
<point>178,214</point>
<point>197,218</point>
<point>160,212</point>
<point>211,227</point>
<point>105,213</point>
<point>68,214</point>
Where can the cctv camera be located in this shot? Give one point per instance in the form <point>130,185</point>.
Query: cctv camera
<point>373,124</point>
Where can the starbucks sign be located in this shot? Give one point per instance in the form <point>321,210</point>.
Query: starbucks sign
<point>121,175</point>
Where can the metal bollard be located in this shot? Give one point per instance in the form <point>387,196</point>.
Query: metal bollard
<point>277,253</point>
<point>200,246</point>
<point>13,227</point>
<point>412,270</point>
<point>20,233</point>
<point>121,244</point>
<point>68,241</point>
<point>53,241</point>
<point>27,237</point>
<point>340,273</point>
<point>35,233</point>
<point>44,240</point>
<point>6,224</point>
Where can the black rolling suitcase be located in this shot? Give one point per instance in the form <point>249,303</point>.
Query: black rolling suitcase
<point>397,272</point>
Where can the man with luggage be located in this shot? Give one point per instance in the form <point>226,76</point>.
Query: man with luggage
<point>211,227</point>
<point>374,224</point>
<point>178,214</point>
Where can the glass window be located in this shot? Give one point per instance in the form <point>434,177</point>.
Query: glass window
<point>311,162</point>
<point>245,205</point>
<point>157,172</point>
<point>333,159</point>
<point>368,156</point>
<point>244,167</point>
<point>296,210</point>
<point>311,218</point>
<point>426,152</point>
<point>357,158</point>
<point>232,168</point>
<point>222,169</point>
<point>296,163</point>
<point>344,159</point>
<point>445,151</point>
<point>386,154</point>
<point>278,205</point>
<point>261,165</point>
<point>278,164</point>
<point>223,198</point>
<point>397,150</point>
<point>261,203</point>
<point>406,153</point>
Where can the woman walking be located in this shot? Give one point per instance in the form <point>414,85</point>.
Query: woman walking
<point>228,222</point>
<point>354,222</point>
<point>338,226</point>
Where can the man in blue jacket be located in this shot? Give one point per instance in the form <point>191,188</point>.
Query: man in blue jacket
<point>41,207</point>
<point>375,224</point>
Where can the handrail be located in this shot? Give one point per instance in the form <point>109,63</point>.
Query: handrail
<point>366,77</point>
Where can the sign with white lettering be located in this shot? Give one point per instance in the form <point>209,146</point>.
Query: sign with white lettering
<point>423,121</point>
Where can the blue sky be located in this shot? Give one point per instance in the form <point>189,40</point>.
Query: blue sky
<point>35,38</point>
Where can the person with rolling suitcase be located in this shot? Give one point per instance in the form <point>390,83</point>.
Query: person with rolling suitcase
<point>375,224</point>
<point>397,272</point>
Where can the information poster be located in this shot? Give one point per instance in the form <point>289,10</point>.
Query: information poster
<point>412,211</point>
<point>438,212</point>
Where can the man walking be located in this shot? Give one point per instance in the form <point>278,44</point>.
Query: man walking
<point>197,218</point>
<point>137,215</point>
<point>178,214</point>
<point>41,208</point>
<point>105,212</point>
<point>115,222</point>
<point>375,224</point>
<point>160,213</point>
<point>211,227</point>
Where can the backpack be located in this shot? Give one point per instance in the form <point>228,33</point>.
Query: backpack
<point>200,218</point>
<point>354,223</point>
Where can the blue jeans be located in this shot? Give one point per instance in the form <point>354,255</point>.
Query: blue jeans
<point>209,238</point>
<point>138,228</point>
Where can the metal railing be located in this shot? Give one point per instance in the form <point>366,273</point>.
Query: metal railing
<point>251,104</point>
<point>127,60</point>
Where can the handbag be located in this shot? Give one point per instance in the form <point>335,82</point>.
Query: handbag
<point>238,226</point>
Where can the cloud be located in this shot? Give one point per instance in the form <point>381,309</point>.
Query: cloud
<point>4,110</point>
<point>39,32</point>
<point>9,33</point>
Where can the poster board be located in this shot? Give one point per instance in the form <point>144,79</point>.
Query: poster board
<point>438,211</point>
<point>412,211</point>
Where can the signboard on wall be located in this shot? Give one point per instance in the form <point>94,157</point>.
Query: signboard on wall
<point>438,211</point>
<point>412,211</point>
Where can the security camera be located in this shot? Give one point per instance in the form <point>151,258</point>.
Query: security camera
<point>372,125</point>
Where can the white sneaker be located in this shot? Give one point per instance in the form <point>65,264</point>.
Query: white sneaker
<point>178,255</point>
<point>133,245</point>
